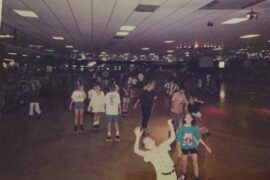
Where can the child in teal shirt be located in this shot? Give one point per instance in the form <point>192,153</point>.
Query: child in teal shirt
<point>188,138</point>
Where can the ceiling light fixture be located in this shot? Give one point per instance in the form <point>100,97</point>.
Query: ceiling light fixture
<point>12,53</point>
<point>169,41</point>
<point>235,20</point>
<point>145,48</point>
<point>69,46</point>
<point>35,46</point>
<point>249,36</point>
<point>122,33</point>
<point>25,13</point>
<point>75,50</point>
<point>24,55</point>
<point>7,36</point>
<point>59,38</point>
<point>127,28</point>
<point>170,51</point>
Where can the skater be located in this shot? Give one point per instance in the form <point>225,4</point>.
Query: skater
<point>157,155</point>
<point>188,138</point>
<point>97,105</point>
<point>194,107</point>
<point>78,96</point>
<point>34,100</point>
<point>178,107</point>
<point>112,109</point>
<point>146,101</point>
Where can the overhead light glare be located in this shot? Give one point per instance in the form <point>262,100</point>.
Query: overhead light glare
<point>122,33</point>
<point>145,48</point>
<point>59,38</point>
<point>127,28</point>
<point>6,36</point>
<point>69,46</point>
<point>12,53</point>
<point>169,41</point>
<point>25,13</point>
<point>249,36</point>
<point>235,20</point>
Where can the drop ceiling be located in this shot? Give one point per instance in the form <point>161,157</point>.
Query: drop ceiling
<point>93,24</point>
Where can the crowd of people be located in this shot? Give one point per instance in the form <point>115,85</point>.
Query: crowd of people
<point>110,98</point>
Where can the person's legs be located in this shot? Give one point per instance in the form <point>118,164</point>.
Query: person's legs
<point>195,164</point>
<point>109,125</point>
<point>117,134</point>
<point>81,116</point>
<point>77,114</point>
<point>37,108</point>
<point>146,111</point>
<point>31,109</point>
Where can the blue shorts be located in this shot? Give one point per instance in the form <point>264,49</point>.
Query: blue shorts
<point>79,105</point>
<point>191,151</point>
<point>111,118</point>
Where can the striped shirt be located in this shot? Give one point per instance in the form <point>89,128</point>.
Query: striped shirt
<point>171,87</point>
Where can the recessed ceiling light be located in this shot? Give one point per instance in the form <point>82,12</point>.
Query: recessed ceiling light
<point>49,50</point>
<point>35,46</point>
<point>26,13</point>
<point>12,53</point>
<point>37,56</point>
<point>169,41</point>
<point>127,28</point>
<point>170,51</point>
<point>69,46</point>
<point>235,20</point>
<point>59,38</point>
<point>24,55</point>
<point>3,36</point>
<point>145,48</point>
<point>249,36</point>
<point>122,33</point>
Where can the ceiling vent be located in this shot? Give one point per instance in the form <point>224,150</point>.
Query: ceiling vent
<point>231,4</point>
<point>146,8</point>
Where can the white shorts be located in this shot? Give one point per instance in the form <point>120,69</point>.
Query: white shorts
<point>197,114</point>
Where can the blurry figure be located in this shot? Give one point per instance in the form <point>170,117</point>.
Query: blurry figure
<point>112,110</point>
<point>77,98</point>
<point>34,100</point>
<point>97,105</point>
<point>179,104</point>
<point>127,88</point>
<point>170,88</point>
<point>194,107</point>
<point>146,101</point>
<point>158,155</point>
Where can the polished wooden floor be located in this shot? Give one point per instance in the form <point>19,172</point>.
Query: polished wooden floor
<point>43,148</point>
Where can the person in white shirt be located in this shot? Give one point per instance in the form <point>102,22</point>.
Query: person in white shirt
<point>97,105</point>
<point>112,110</point>
<point>157,155</point>
<point>77,98</point>
<point>90,94</point>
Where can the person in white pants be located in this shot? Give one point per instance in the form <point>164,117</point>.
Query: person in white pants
<point>34,101</point>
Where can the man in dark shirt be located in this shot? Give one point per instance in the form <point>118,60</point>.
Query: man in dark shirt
<point>146,100</point>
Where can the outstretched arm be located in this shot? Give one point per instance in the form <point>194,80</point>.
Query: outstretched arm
<point>138,133</point>
<point>136,103</point>
<point>206,147</point>
<point>172,133</point>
